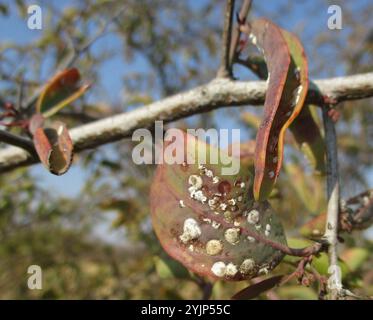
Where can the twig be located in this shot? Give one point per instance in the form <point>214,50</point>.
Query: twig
<point>216,94</point>
<point>205,286</point>
<point>74,55</point>
<point>299,271</point>
<point>331,228</point>
<point>242,16</point>
<point>20,94</point>
<point>225,69</point>
<point>18,141</point>
<point>360,198</point>
<point>357,212</point>
<point>322,282</point>
<point>313,249</point>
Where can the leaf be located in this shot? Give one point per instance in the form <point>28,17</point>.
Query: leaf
<point>297,293</point>
<point>209,221</point>
<point>286,92</point>
<point>4,10</point>
<point>354,257</point>
<point>305,128</point>
<point>251,119</point>
<point>54,147</point>
<point>256,289</point>
<point>168,268</point>
<point>310,190</point>
<point>321,264</point>
<point>60,91</point>
<point>314,227</point>
<point>308,137</point>
<point>257,65</point>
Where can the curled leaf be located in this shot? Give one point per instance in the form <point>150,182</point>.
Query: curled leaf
<point>286,92</point>
<point>60,91</point>
<point>209,221</point>
<point>54,147</point>
<point>305,128</point>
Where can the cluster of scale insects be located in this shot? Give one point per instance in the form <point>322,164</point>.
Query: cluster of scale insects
<point>221,208</point>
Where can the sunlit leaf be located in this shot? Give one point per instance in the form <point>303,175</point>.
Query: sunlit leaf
<point>354,257</point>
<point>286,92</point>
<point>54,147</point>
<point>305,128</point>
<point>61,90</point>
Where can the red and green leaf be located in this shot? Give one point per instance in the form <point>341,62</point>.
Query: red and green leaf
<point>286,92</point>
<point>52,144</point>
<point>224,242</point>
<point>305,128</point>
<point>61,90</point>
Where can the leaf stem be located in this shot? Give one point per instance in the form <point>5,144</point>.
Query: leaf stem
<point>331,227</point>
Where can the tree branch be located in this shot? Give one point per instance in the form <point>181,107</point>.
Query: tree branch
<point>18,141</point>
<point>74,55</point>
<point>331,228</point>
<point>225,70</point>
<point>213,95</point>
<point>357,212</point>
<point>244,11</point>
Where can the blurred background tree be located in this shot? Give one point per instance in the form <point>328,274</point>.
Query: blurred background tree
<point>90,229</point>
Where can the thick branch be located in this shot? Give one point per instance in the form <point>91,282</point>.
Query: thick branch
<point>216,94</point>
<point>18,141</point>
